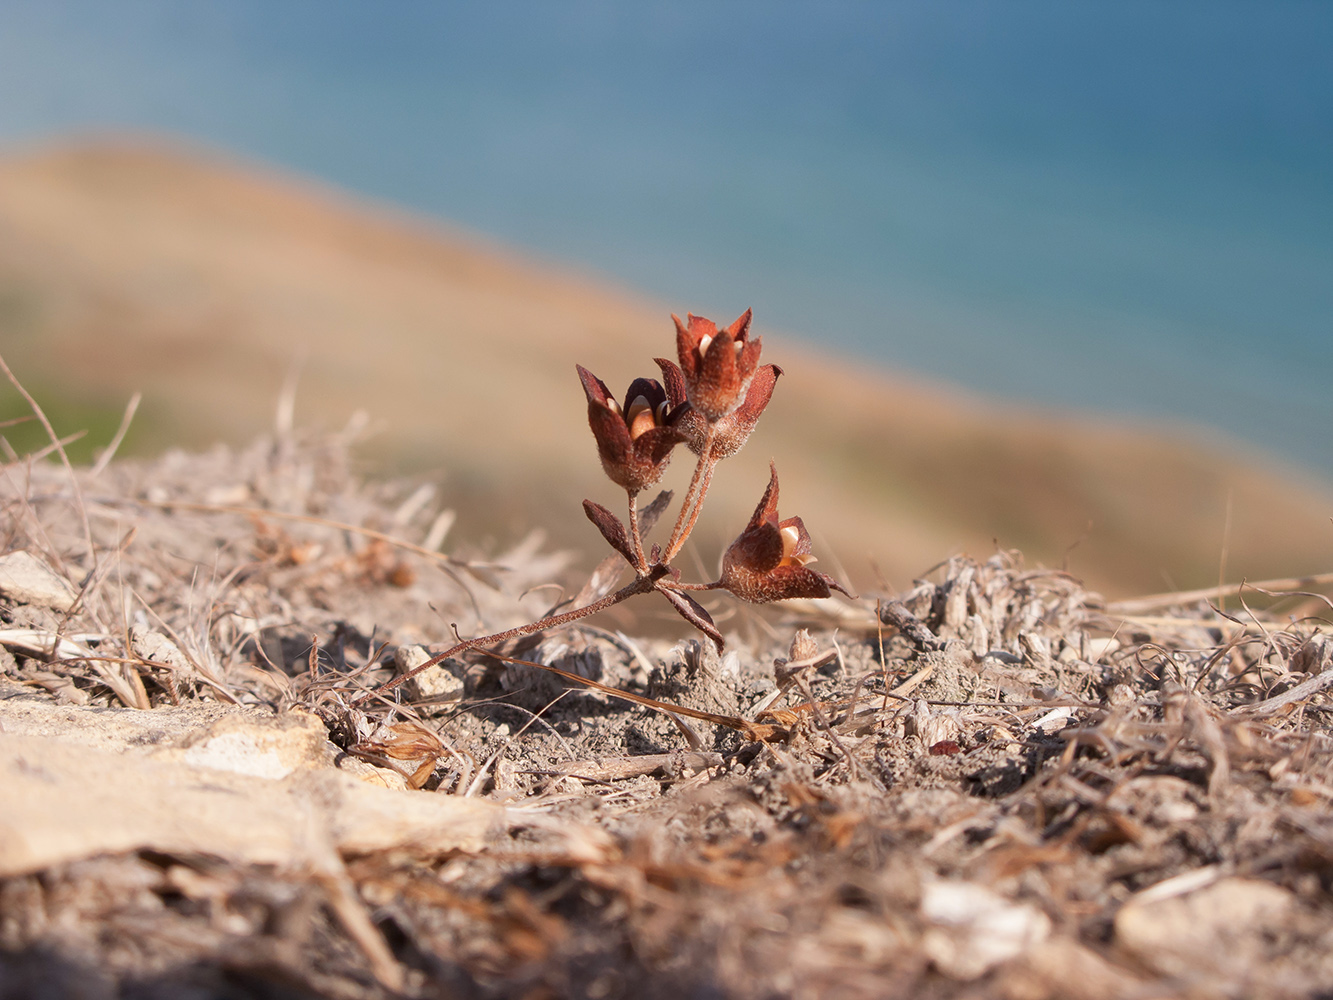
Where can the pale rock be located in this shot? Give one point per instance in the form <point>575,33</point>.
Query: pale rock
<point>433,682</point>
<point>1099,648</point>
<point>1063,969</point>
<point>1215,931</point>
<point>234,495</point>
<point>150,645</point>
<point>94,783</point>
<point>25,579</point>
<point>273,748</point>
<point>972,930</point>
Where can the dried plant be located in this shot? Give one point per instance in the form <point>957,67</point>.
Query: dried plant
<point>714,395</point>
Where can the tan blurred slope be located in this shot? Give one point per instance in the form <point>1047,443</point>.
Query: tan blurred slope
<point>138,265</point>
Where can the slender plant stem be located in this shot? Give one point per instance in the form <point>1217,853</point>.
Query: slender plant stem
<point>703,471</point>
<point>640,586</point>
<point>673,585</point>
<point>635,535</point>
<point>695,511</point>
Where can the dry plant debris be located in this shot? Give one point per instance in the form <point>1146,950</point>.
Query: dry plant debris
<point>993,784</point>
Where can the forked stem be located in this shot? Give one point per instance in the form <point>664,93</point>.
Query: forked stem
<point>694,512</point>
<point>694,498</point>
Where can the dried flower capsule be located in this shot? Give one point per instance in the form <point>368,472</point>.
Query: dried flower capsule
<point>731,431</point>
<point>634,440</point>
<point>717,364</point>
<point>769,560</point>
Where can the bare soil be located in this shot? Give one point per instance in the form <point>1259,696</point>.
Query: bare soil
<point>1016,790</point>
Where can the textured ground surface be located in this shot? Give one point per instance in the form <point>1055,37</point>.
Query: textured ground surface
<point>1024,794</point>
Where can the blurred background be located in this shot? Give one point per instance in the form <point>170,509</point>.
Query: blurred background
<point>1046,275</point>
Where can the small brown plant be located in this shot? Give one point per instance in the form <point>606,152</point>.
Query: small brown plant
<point>713,397</point>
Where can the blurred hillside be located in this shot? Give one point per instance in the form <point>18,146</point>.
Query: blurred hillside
<point>136,265</point>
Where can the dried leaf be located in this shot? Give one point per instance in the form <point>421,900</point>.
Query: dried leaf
<point>610,527</point>
<point>693,612</point>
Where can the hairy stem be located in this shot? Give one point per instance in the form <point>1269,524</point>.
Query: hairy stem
<point>636,537</point>
<point>640,586</point>
<point>694,498</point>
<point>694,513</point>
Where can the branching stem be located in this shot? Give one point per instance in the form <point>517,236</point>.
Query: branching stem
<point>697,509</point>
<point>642,585</point>
<point>715,585</point>
<point>694,498</point>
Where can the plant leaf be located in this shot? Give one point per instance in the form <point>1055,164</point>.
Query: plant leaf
<point>610,527</point>
<point>693,612</point>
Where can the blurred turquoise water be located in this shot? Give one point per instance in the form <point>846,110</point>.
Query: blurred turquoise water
<point>1126,207</point>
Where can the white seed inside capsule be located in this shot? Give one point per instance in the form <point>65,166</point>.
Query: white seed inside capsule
<point>790,539</point>
<point>640,417</point>
<point>739,347</point>
<point>663,408</point>
<point>613,406</point>
<point>703,345</point>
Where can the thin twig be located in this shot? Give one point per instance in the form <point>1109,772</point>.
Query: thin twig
<point>110,451</point>
<point>693,497</point>
<point>64,459</point>
<point>1154,601</point>
<point>749,730</point>
<point>1278,703</point>
<point>481,774</point>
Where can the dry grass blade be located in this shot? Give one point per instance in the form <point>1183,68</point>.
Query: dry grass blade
<point>1153,602</point>
<point>109,452</point>
<point>58,445</point>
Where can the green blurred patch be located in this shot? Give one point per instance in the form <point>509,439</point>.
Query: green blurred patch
<point>20,310</point>
<point>70,413</point>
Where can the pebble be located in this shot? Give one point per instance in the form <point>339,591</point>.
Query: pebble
<point>25,579</point>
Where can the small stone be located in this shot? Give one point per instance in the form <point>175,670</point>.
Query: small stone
<point>1220,927</point>
<point>434,682</point>
<point>1099,648</point>
<point>150,645</point>
<point>1062,969</point>
<point>230,496</point>
<point>973,929</point>
<point>262,748</point>
<point>25,579</point>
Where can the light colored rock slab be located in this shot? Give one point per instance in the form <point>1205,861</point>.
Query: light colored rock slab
<point>240,786</point>
<point>25,579</point>
<point>1216,930</point>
